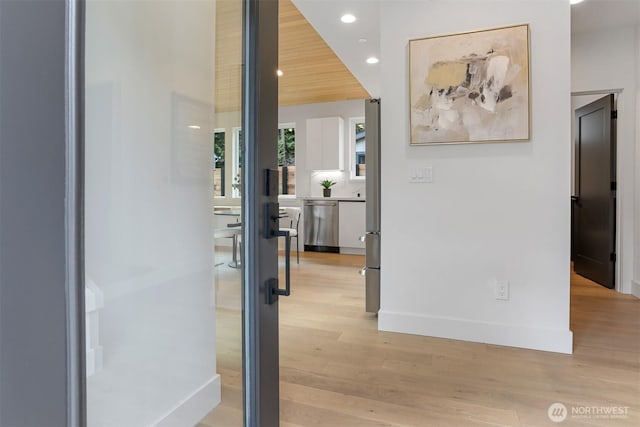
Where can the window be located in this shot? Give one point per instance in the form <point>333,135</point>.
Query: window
<point>287,159</point>
<point>237,156</point>
<point>358,147</point>
<point>218,162</point>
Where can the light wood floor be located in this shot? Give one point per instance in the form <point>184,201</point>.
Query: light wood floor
<point>336,369</point>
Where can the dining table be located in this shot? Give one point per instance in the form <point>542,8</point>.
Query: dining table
<point>235,230</point>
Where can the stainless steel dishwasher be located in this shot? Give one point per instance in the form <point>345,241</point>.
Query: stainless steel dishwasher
<point>321,226</point>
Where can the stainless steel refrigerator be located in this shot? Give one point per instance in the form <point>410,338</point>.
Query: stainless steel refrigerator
<point>372,236</point>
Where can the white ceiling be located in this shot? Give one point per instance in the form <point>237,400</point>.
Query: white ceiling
<point>324,16</point>
<point>594,15</point>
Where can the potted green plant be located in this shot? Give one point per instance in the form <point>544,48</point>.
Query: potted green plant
<point>326,187</point>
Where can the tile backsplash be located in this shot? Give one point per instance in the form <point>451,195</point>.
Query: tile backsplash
<point>345,187</point>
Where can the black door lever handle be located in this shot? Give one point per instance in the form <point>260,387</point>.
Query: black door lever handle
<point>271,287</point>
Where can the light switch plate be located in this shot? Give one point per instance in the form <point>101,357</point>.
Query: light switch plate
<point>421,175</point>
<point>427,174</point>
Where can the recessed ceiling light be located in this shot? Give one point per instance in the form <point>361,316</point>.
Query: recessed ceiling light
<point>575,1</point>
<point>362,40</point>
<point>348,18</point>
<point>372,60</point>
<point>194,127</point>
<point>279,73</point>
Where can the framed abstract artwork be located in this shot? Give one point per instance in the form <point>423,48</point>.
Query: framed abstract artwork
<point>471,87</point>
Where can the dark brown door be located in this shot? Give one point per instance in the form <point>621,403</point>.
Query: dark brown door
<point>595,192</point>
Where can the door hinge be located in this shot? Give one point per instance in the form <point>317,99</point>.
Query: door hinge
<point>614,115</point>
<point>614,186</point>
<point>613,257</point>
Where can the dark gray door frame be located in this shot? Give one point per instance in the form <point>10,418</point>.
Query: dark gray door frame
<point>41,213</point>
<point>76,365</point>
<point>260,253</point>
<point>41,280</point>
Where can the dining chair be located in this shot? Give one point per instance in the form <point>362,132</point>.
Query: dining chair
<point>293,214</point>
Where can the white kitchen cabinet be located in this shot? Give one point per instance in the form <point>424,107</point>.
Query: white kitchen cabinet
<point>325,143</point>
<point>351,225</point>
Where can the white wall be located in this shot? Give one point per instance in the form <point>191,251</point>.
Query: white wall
<point>149,75</point>
<point>494,211</point>
<point>604,60</point>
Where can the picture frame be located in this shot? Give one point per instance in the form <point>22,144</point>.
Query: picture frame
<point>471,87</point>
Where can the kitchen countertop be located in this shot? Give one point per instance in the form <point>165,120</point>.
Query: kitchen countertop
<point>337,199</point>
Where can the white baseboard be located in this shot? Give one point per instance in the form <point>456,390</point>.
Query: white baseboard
<point>635,288</point>
<point>192,409</point>
<point>558,341</point>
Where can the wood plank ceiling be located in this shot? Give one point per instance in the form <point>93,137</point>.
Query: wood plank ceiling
<point>312,71</point>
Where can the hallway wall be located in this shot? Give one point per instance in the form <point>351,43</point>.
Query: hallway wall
<point>494,211</point>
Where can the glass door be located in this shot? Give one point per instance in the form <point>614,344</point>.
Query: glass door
<point>179,329</point>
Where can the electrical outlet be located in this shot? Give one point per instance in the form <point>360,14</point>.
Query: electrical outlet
<point>502,290</point>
